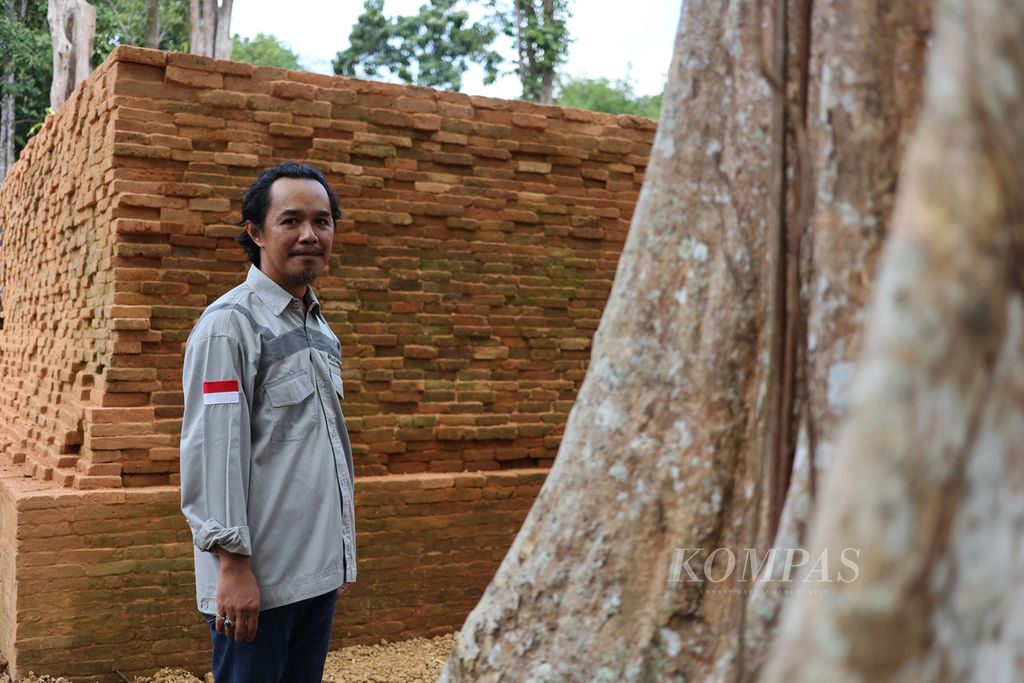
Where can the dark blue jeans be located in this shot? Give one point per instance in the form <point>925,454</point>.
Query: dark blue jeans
<point>290,646</point>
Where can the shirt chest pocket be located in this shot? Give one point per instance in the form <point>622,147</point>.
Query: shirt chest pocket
<point>291,401</point>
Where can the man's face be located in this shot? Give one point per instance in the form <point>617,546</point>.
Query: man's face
<point>297,233</point>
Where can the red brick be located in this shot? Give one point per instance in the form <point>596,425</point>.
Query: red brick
<point>194,78</point>
<point>292,90</point>
<point>289,130</point>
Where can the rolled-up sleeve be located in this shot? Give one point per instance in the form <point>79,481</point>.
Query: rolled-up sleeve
<point>215,444</point>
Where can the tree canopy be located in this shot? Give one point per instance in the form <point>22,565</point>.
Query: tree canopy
<point>124,22</point>
<point>27,52</point>
<point>436,46</point>
<point>264,50</point>
<point>27,58</point>
<point>433,47</point>
<point>611,96</point>
<point>540,33</point>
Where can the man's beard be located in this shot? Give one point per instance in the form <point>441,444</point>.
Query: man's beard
<point>308,275</point>
<point>305,277</point>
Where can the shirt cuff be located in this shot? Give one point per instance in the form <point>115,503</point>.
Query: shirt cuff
<point>233,539</point>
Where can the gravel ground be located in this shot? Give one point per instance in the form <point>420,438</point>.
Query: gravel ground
<point>418,660</point>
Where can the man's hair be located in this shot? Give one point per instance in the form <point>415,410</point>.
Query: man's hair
<point>256,201</point>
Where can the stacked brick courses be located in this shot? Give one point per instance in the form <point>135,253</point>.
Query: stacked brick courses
<point>57,287</point>
<point>479,241</point>
<point>104,578</point>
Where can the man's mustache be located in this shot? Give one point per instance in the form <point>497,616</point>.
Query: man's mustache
<point>306,252</point>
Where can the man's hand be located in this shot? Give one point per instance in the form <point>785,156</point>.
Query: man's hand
<point>343,589</point>
<point>238,597</point>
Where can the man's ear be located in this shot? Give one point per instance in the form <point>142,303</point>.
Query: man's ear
<point>253,235</point>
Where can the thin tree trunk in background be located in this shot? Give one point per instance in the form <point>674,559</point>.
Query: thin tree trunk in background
<point>7,112</point>
<point>72,27</point>
<point>547,79</point>
<point>196,35</point>
<point>222,35</point>
<point>153,24</point>
<point>210,28</point>
<point>526,56</point>
<point>7,156</point>
<point>927,478</point>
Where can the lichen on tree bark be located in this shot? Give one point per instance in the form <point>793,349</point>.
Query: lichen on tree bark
<point>910,423</point>
<point>72,27</point>
<point>927,478</point>
<point>655,444</point>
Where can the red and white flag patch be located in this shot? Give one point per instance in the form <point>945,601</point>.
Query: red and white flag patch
<point>223,391</point>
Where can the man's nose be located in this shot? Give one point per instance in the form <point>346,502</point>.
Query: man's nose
<point>308,234</point>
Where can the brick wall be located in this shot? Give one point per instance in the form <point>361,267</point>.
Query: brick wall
<point>104,578</point>
<point>8,584</point>
<point>478,246</point>
<point>57,283</point>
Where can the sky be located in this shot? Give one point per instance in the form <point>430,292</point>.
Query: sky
<point>611,39</point>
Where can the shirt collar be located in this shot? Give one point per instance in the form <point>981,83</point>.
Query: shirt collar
<point>275,297</point>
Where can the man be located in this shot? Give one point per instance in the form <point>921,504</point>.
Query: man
<point>266,464</point>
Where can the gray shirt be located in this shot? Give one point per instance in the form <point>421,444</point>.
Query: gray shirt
<point>266,464</point>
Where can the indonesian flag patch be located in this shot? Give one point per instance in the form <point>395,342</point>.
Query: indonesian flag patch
<point>224,391</point>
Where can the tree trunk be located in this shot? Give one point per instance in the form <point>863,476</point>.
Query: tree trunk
<point>222,36</point>
<point>522,11</point>
<point>547,88</point>
<point>7,156</point>
<point>659,445</point>
<point>865,66</point>
<point>927,475</point>
<point>210,31</point>
<point>7,112</point>
<point>72,27</point>
<point>547,77</point>
<point>153,24</point>
<point>719,372</point>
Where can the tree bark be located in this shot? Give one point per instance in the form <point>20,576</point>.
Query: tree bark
<point>210,30</point>
<point>72,27</point>
<point>7,155</point>
<point>866,65</point>
<point>689,432</point>
<point>7,113</point>
<point>547,78</point>
<point>659,445</point>
<point>927,479</point>
<point>526,63</point>
<point>719,391</point>
<point>153,24</point>
<point>547,88</point>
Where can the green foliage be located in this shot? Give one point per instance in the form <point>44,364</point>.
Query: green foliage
<point>540,32</point>
<point>264,50</point>
<point>25,49</point>
<point>436,46</point>
<point>39,125</point>
<point>602,94</point>
<point>123,22</point>
<point>433,48</point>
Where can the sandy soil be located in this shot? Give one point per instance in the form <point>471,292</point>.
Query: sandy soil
<point>418,660</point>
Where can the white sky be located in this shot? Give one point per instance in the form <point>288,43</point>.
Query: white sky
<point>609,37</point>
